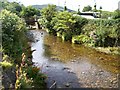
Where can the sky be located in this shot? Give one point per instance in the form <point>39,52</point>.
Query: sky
<point>107,5</point>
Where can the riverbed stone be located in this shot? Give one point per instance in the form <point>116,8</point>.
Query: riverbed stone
<point>69,71</point>
<point>114,81</point>
<point>101,58</point>
<point>73,61</point>
<point>82,72</point>
<point>67,85</point>
<point>55,59</point>
<point>48,66</point>
<point>65,68</point>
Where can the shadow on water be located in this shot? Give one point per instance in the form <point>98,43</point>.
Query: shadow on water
<point>73,65</point>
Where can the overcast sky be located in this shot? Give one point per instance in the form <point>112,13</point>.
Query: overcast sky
<point>109,5</point>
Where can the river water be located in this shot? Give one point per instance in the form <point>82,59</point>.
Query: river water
<point>71,65</point>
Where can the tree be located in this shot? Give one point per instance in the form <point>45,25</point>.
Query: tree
<point>64,24</point>
<point>29,11</point>
<point>106,14</point>
<point>64,21</point>
<point>14,7</point>
<point>116,14</point>
<point>87,8</point>
<point>47,15</point>
<point>49,12</point>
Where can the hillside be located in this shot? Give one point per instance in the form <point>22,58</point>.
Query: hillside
<point>45,5</point>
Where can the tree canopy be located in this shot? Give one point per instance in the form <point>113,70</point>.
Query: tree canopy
<point>49,12</point>
<point>116,14</point>
<point>14,7</point>
<point>29,11</point>
<point>87,8</point>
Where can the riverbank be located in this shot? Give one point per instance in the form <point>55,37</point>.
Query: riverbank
<point>89,32</point>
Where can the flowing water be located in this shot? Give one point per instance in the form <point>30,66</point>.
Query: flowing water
<point>71,65</point>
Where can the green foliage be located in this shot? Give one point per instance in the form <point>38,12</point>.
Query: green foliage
<point>28,76</point>
<point>14,7</point>
<point>87,8</point>
<point>29,11</point>
<point>66,24</point>
<point>32,71</point>
<point>14,43</point>
<point>101,35</point>
<point>23,82</point>
<point>64,21</point>
<point>116,14</point>
<point>106,31</point>
<point>80,22</point>
<point>97,32</point>
<point>6,64</point>
<point>66,36</point>
<point>13,34</point>
<point>47,15</point>
<point>106,14</point>
<point>36,75</point>
<point>49,12</point>
<point>81,39</point>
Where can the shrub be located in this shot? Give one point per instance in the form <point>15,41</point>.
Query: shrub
<point>38,77</point>
<point>63,21</point>
<point>103,30</point>
<point>13,35</point>
<point>81,39</point>
<point>23,82</point>
<point>47,15</point>
<point>32,71</point>
<point>116,14</point>
<point>66,36</point>
<point>6,64</point>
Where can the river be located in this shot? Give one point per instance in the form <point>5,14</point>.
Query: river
<point>71,65</point>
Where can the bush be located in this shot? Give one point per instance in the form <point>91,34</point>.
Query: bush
<point>103,29</point>
<point>116,14</point>
<point>106,14</point>
<point>29,76</point>
<point>66,24</point>
<point>23,82</point>
<point>63,21</point>
<point>13,35</point>
<point>80,22</point>
<point>37,77</point>
<point>6,64</point>
<point>66,36</point>
<point>81,39</point>
<point>47,15</point>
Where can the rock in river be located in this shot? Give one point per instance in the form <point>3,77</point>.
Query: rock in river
<point>67,85</point>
